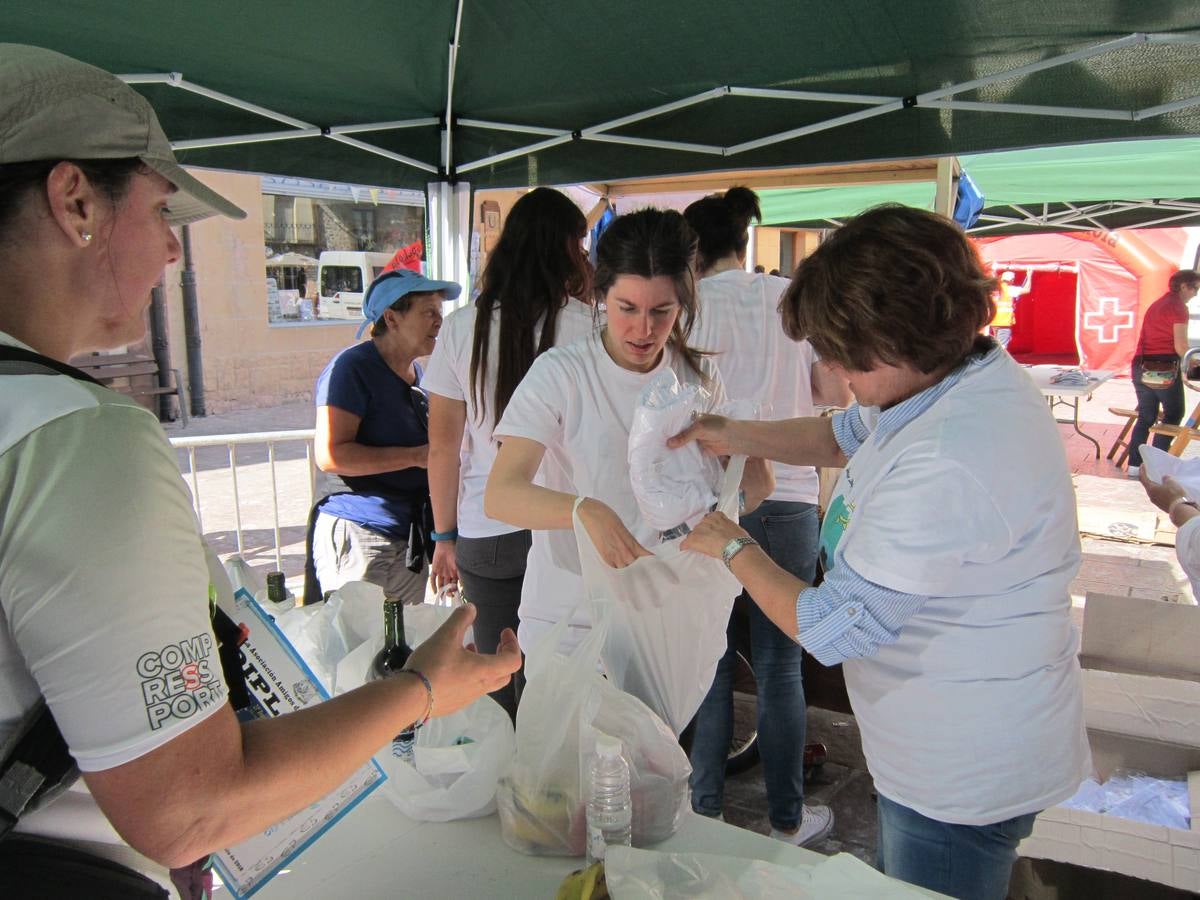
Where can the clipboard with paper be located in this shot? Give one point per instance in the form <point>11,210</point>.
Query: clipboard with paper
<point>279,682</point>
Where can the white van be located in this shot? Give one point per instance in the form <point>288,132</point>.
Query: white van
<point>344,276</point>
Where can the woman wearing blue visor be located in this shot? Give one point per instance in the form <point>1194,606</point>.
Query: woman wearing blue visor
<point>372,442</point>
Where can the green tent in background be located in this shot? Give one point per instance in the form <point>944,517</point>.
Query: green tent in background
<point>1110,185</point>
<point>505,94</point>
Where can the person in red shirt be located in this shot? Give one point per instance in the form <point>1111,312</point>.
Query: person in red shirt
<point>1161,344</point>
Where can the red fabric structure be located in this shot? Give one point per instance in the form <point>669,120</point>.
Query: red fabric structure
<point>1086,292</point>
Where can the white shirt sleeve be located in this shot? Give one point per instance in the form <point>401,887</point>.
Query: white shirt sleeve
<point>104,584</point>
<point>442,375</point>
<point>535,410</point>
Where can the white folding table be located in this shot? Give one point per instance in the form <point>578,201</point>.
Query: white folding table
<point>1067,394</point>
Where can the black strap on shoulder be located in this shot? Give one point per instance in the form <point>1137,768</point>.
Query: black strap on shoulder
<point>19,361</point>
<point>36,764</point>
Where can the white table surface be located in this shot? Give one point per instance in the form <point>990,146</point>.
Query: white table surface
<point>1041,376</point>
<point>376,851</point>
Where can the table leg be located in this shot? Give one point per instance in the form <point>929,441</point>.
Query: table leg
<point>1074,420</point>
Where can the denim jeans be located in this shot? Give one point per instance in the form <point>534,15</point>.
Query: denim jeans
<point>787,531</point>
<point>1148,402</point>
<point>971,862</point>
<point>491,570</point>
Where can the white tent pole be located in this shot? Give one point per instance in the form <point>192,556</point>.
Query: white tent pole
<point>513,154</point>
<point>448,128</point>
<point>657,145</point>
<point>379,151</point>
<point>1174,105</point>
<point>816,96</point>
<point>656,111</point>
<point>176,80</point>
<point>504,126</point>
<point>232,140</point>
<point>815,127</point>
<point>383,126</point>
<point>946,192</point>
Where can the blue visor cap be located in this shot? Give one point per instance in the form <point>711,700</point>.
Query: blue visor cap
<point>391,286</point>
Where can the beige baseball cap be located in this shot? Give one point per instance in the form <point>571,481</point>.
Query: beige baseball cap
<point>55,107</point>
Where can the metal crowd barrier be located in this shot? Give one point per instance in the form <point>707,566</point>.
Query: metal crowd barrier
<point>232,442</point>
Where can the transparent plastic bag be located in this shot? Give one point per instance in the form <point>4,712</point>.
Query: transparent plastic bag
<point>566,700</point>
<point>1130,794</point>
<point>669,613</point>
<point>672,487</point>
<point>457,759</point>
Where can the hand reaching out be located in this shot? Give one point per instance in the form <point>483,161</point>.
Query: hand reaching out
<point>614,543</point>
<point>461,676</point>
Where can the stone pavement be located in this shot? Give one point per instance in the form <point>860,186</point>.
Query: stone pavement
<point>1128,551</point>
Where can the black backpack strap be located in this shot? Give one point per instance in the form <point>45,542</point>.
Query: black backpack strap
<point>19,361</point>
<point>35,765</point>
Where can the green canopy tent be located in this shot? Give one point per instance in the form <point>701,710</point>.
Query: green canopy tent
<point>1107,185</point>
<point>511,94</point>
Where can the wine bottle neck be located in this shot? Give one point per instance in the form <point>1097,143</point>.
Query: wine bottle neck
<point>393,624</point>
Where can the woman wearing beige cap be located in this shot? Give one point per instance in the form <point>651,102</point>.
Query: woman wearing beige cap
<point>104,584</point>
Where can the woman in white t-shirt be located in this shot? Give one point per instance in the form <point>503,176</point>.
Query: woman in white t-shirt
<point>739,323</point>
<point>949,547</point>
<point>525,307</point>
<point>572,414</point>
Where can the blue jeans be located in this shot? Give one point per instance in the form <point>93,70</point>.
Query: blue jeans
<point>971,862</point>
<point>1149,400</point>
<point>787,531</point>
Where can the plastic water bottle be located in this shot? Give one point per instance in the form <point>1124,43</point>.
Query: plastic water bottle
<point>609,807</point>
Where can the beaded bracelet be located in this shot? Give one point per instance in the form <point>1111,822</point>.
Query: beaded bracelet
<point>429,696</point>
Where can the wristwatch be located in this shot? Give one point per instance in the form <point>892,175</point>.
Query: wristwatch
<point>1182,500</point>
<point>734,547</point>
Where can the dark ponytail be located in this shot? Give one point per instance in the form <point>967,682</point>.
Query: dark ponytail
<point>722,223</point>
<point>537,265</point>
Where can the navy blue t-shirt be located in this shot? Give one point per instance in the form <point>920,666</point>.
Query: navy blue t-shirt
<point>393,414</point>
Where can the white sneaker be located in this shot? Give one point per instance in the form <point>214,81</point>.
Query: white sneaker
<point>816,823</point>
<point>1134,472</point>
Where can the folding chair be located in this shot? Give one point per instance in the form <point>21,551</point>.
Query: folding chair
<point>1181,435</point>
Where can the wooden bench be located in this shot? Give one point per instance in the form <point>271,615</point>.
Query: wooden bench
<point>127,372</point>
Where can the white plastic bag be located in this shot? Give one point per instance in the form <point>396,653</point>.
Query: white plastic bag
<point>672,487</point>
<point>669,615</point>
<point>541,798</point>
<point>632,874</point>
<point>458,759</point>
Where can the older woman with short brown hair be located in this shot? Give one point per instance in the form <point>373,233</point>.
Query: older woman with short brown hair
<point>948,548</point>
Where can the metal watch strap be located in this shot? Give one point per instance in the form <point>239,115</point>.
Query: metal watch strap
<point>734,547</point>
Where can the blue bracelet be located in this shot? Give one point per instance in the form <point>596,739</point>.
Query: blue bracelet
<point>451,535</point>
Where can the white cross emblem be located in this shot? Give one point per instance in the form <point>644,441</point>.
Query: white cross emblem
<point>1108,320</point>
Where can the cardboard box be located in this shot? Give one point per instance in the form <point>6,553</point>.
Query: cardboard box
<point>1141,675</point>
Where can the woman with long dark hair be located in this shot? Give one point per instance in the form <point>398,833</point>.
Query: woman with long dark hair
<point>527,305</point>
<point>741,326</point>
<point>571,416</point>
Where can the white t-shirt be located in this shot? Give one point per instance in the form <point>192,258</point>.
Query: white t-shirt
<point>975,714</point>
<point>1187,551</point>
<point>449,375</point>
<point>739,321</point>
<point>103,586</point>
<point>579,404</point>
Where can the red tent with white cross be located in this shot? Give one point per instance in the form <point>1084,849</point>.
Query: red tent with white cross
<point>1080,296</point>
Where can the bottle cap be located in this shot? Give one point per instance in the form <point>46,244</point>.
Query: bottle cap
<point>276,589</point>
<point>607,745</point>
